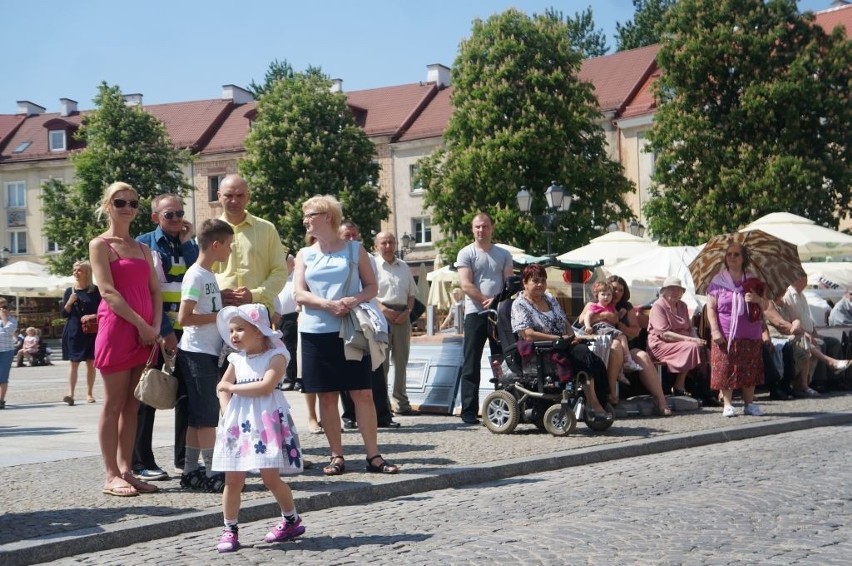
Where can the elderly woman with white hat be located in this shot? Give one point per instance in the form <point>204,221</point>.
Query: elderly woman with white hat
<point>671,337</point>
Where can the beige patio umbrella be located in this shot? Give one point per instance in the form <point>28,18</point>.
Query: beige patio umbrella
<point>811,239</point>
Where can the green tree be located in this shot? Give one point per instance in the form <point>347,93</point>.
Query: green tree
<point>582,35</point>
<point>305,142</point>
<point>278,70</point>
<point>645,27</point>
<point>522,117</point>
<point>123,143</point>
<point>754,119</point>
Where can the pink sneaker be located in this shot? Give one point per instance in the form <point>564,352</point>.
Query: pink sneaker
<point>284,531</point>
<point>228,542</point>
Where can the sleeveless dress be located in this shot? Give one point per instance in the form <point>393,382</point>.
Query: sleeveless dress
<point>117,345</point>
<point>256,432</point>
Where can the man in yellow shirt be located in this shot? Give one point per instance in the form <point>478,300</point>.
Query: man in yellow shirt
<point>256,270</point>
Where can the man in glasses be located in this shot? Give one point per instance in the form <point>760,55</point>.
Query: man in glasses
<point>176,250</point>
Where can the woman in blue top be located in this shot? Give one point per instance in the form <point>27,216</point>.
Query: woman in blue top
<point>322,271</point>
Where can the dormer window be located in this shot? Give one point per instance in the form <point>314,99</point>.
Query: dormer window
<point>22,147</point>
<point>56,140</point>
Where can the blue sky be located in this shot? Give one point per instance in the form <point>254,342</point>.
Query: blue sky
<point>181,50</point>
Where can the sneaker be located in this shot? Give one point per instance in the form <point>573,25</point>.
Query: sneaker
<point>228,542</point>
<point>2,404</point>
<point>284,531</point>
<point>631,365</point>
<point>753,410</point>
<point>729,411</point>
<point>349,424</point>
<point>841,365</point>
<point>151,474</point>
<point>196,479</point>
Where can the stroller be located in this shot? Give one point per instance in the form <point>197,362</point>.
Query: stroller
<point>538,387</point>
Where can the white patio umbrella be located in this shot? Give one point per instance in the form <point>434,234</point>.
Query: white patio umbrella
<point>441,282</point>
<point>811,240</point>
<point>646,272</point>
<point>28,279</point>
<point>611,248</point>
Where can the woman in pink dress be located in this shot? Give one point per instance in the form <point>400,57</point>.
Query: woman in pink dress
<point>671,338</point>
<point>736,357</point>
<point>130,304</point>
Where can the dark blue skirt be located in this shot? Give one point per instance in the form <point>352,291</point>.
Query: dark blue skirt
<point>324,367</point>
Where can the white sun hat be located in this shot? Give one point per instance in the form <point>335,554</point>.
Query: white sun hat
<point>255,313</point>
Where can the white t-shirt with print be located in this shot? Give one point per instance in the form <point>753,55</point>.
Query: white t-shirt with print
<point>200,285</point>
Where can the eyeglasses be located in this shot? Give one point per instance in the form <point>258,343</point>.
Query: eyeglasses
<point>121,203</point>
<point>169,215</point>
<point>310,215</point>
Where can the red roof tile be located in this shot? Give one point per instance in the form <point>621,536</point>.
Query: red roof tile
<point>232,134</point>
<point>189,124</point>
<point>644,102</point>
<point>35,130</point>
<point>618,76</point>
<point>386,109</point>
<point>833,17</point>
<point>433,120</point>
<point>8,124</point>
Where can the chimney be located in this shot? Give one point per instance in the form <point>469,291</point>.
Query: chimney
<point>28,108</point>
<point>336,85</point>
<point>438,74</point>
<point>68,106</point>
<point>236,94</point>
<point>134,99</point>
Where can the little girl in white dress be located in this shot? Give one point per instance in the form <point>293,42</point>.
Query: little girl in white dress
<point>255,431</point>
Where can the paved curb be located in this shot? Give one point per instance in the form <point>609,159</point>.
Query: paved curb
<point>33,551</point>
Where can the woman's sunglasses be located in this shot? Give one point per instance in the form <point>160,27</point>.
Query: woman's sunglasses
<point>121,203</point>
<point>170,215</point>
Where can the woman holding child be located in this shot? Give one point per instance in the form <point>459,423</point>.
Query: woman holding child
<point>130,304</point>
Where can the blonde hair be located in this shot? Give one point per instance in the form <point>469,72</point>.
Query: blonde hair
<point>326,204</point>
<point>31,331</point>
<point>109,193</point>
<point>87,267</point>
<point>457,293</point>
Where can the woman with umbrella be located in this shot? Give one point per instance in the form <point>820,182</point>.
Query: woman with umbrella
<point>734,314</point>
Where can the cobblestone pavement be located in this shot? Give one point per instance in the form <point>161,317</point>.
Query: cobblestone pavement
<point>783,499</point>
<point>54,507</point>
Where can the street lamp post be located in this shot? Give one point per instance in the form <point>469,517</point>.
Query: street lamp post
<point>405,246</point>
<point>558,201</point>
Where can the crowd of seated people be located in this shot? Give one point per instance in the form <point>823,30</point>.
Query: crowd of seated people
<point>672,355</point>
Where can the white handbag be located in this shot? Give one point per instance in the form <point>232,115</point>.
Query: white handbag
<point>158,388</point>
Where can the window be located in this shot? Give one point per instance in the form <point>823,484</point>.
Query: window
<point>22,147</point>
<point>422,228</point>
<point>213,187</point>
<point>56,140</point>
<point>52,247</point>
<point>18,240</point>
<point>415,184</point>
<point>16,194</point>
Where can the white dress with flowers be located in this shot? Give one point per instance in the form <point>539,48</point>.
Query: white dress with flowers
<point>256,432</point>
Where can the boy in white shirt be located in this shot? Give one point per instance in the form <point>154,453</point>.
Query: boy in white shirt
<point>198,353</point>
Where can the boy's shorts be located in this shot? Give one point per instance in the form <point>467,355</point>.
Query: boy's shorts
<point>201,375</point>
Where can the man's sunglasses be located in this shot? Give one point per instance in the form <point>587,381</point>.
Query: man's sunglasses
<point>170,215</point>
<point>121,203</point>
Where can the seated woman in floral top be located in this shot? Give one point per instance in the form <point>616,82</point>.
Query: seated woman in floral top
<point>536,315</point>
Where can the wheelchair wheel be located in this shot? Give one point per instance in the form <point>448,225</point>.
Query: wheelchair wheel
<point>559,425</point>
<point>596,425</point>
<point>500,412</point>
